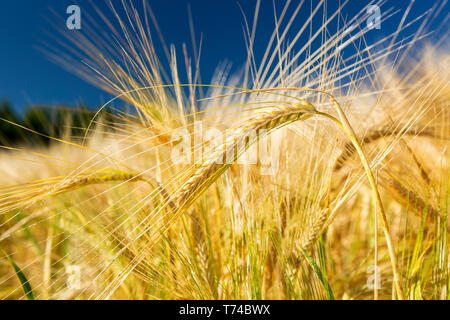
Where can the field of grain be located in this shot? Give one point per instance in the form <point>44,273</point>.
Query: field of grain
<point>321,170</point>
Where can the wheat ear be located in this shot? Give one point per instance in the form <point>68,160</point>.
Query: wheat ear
<point>31,192</point>
<point>201,251</point>
<point>376,134</point>
<point>205,174</point>
<point>407,196</point>
<point>278,116</point>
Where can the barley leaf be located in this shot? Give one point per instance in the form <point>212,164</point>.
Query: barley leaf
<point>26,287</point>
<point>319,273</point>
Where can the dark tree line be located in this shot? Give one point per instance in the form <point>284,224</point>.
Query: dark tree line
<point>49,121</point>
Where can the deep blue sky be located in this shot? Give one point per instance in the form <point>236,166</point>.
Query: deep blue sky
<point>27,77</point>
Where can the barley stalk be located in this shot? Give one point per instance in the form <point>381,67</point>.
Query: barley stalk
<point>209,170</point>
<point>345,124</point>
<point>201,177</point>
<point>78,182</point>
<point>33,192</point>
<point>406,196</point>
<point>201,251</point>
<point>375,134</point>
<point>313,233</point>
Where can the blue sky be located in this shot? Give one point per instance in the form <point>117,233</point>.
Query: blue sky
<point>28,77</point>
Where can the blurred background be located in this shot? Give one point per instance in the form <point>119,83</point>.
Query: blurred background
<point>32,87</point>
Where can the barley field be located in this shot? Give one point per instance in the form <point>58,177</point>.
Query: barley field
<point>319,170</point>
